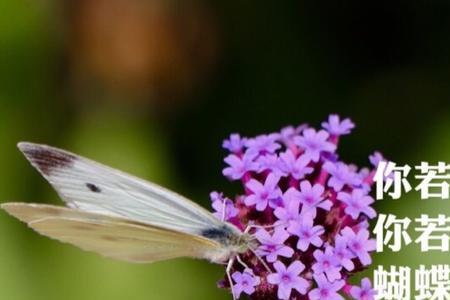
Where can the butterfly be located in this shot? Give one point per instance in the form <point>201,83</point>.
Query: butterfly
<point>123,217</point>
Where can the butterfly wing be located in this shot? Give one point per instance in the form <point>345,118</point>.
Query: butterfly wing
<point>111,236</point>
<point>93,187</point>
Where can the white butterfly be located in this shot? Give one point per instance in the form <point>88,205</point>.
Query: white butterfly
<point>123,217</point>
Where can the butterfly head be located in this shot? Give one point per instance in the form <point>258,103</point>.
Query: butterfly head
<point>243,242</point>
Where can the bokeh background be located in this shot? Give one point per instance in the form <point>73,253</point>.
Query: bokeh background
<point>152,87</point>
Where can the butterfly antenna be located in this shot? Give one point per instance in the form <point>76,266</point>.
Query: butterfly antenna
<point>252,226</point>
<point>228,269</point>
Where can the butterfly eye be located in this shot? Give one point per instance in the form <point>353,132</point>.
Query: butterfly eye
<point>93,188</point>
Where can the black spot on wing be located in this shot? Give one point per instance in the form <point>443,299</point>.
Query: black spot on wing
<point>46,158</point>
<point>93,188</point>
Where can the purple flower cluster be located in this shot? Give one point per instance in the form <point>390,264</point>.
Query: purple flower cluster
<point>309,212</point>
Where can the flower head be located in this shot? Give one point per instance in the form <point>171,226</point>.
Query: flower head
<point>306,211</point>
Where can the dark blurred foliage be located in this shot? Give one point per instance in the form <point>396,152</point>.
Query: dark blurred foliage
<point>148,48</point>
<point>385,64</point>
<point>153,87</point>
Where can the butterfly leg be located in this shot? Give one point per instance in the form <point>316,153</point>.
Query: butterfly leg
<point>260,260</point>
<point>228,270</point>
<point>241,262</point>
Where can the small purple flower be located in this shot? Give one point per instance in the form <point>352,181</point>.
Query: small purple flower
<point>238,167</point>
<point>234,143</point>
<point>328,263</point>
<point>288,279</point>
<point>289,212</point>
<point>356,203</point>
<point>336,127</point>
<point>263,144</point>
<point>343,254</point>
<point>245,282</point>
<point>341,175</point>
<point>263,195</point>
<point>311,197</point>
<point>364,224</point>
<point>376,158</point>
<point>269,162</point>
<point>326,290</point>
<point>296,167</point>
<point>273,246</point>
<point>224,207</point>
<point>363,173</point>
<point>314,143</point>
<point>307,233</point>
<point>365,292</point>
<point>289,132</point>
<point>359,244</point>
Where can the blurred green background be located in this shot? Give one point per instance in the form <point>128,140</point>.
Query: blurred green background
<point>152,87</point>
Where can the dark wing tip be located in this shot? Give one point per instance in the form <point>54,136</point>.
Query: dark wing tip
<point>46,158</point>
